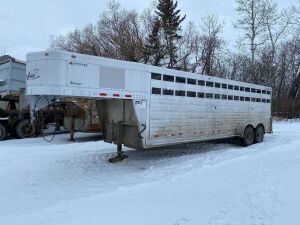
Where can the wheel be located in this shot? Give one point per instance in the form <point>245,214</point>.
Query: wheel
<point>3,132</point>
<point>248,136</point>
<point>12,132</point>
<point>25,129</point>
<point>11,129</point>
<point>259,134</point>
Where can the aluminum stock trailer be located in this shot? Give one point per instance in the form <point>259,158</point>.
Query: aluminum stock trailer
<point>144,107</point>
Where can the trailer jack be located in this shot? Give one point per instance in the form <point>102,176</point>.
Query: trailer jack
<point>120,155</point>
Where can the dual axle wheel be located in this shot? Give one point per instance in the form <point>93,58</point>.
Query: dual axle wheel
<point>21,129</point>
<point>252,136</point>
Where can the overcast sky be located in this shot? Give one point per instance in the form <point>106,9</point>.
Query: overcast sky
<point>26,26</point>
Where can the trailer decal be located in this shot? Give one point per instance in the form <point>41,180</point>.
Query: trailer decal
<point>35,74</point>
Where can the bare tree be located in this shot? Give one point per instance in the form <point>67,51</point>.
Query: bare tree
<point>211,27</point>
<point>278,24</point>
<point>252,22</point>
<point>117,35</point>
<point>294,50</point>
<point>188,49</point>
<point>297,21</point>
<point>81,41</point>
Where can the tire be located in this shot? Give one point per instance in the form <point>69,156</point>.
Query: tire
<point>24,129</point>
<point>12,132</point>
<point>259,134</point>
<point>11,129</point>
<point>3,132</point>
<point>248,136</point>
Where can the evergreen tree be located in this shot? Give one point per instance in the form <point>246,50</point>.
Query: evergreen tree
<point>154,47</point>
<point>170,20</point>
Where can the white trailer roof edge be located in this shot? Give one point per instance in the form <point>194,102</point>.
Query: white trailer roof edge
<point>97,60</point>
<point>115,63</point>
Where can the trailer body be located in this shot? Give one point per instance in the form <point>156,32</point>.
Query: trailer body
<point>12,77</point>
<point>143,106</point>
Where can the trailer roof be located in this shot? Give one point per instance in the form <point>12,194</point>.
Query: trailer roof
<point>7,58</point>
<point>54,54</point>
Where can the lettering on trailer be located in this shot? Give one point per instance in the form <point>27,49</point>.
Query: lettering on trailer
<point>35,74</point>
<point>75,83</point>
<point>78,64</point>
<point>140,104</point>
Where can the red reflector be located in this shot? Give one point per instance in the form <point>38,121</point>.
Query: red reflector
<point>103,94</point>
<point>128,96</point>
<point>116,95</point>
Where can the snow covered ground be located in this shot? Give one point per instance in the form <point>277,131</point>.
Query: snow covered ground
<point>62,183</point>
